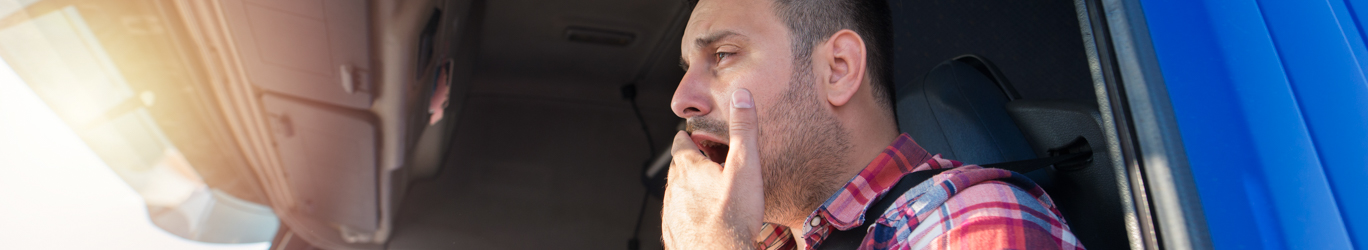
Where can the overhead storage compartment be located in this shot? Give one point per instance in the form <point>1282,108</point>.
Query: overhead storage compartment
<point>329,160</point>
<point>326,57</point>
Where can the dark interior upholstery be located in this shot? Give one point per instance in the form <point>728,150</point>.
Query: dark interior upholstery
<point>1038,51</point>
<point>959,112</point>
<point>963,112</point>
<point>1088,197</point>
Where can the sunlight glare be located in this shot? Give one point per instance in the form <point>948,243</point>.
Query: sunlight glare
<point>55,193</point>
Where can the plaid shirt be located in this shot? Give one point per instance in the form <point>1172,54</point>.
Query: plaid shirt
<point>968,207</point>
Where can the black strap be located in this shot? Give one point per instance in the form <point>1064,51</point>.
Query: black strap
<point>851,239</point>
<point>1027,166</point>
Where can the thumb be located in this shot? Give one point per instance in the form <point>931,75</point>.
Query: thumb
<point>744,129</point>
<point>743,165</point>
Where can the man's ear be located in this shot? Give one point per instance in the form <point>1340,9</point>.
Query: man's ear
<point>847,64</point>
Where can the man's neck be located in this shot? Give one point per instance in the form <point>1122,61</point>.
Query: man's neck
<point>871,127</point>
<point>864,149</point>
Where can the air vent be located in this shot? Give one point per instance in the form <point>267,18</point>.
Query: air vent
<point>599,36</point>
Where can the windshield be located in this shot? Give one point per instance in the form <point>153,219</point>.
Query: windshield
<point>119,77</point>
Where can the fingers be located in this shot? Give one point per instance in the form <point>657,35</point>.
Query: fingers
<point>705,206</point>
<point>744,130</point>
<point>685,150</point>
<point>746,188</point>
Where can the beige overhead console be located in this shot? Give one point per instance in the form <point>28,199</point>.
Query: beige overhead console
<point>323,98</point>
<point>329,160</point>
<point>317,50</point>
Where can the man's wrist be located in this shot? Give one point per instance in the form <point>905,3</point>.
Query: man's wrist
<point>721,236</point>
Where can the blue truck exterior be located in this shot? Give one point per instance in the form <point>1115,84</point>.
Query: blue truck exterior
<point>1271,101</point>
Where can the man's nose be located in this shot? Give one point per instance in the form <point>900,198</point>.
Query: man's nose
<point>691,98</point>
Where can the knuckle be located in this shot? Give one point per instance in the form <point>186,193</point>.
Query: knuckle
<point>742,125</point>
<point>677,151</point>
<point>682,153</point>
<point>681,157</point>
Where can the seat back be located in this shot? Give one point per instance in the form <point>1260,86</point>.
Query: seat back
<point>965,110</point>
<point>1088,196</point>
<point>959,111</point>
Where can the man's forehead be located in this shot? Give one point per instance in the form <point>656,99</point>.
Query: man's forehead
<point>715,18</point>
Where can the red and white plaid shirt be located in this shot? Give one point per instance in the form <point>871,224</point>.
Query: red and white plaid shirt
<point>968,207</point>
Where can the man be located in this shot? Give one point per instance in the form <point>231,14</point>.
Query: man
<point>791,136</point>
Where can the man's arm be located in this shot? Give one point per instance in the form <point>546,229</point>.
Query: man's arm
<point>709,205</point>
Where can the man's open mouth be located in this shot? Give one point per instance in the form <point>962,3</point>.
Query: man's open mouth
<point>714,148</point>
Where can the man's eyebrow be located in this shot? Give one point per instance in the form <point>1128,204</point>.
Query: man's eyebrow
<point>709,40</point>
<point>714,37</point>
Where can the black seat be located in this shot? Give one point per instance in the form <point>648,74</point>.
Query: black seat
<point>959,111</point>
<point>965,110</point>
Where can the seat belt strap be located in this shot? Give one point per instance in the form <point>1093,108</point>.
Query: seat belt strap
<point>1027,166</point>
<point>851,239</point>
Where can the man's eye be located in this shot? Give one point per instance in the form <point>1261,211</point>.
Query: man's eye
<point>722,55</point>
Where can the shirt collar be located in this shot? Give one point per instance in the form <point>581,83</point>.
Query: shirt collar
<point>846,208</point>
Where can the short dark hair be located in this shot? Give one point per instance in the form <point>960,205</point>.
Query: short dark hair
<point>813,21</point>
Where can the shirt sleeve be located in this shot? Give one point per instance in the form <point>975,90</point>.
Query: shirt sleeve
<point>774,237</point>
<point>996,215</point>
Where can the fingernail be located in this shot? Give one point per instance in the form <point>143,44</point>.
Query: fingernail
<point>742,99</point>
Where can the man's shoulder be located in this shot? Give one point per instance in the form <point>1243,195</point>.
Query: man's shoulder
<point>972,191</point>
<point>996,198</point>
<point>996,214</point>
<point>975,205</point>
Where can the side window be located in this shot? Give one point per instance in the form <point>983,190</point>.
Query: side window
<point>106,81</point>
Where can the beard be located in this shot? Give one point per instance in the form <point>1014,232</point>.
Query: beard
<point>801,147</point>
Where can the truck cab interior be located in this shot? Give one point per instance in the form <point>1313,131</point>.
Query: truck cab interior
<point>534,124</point>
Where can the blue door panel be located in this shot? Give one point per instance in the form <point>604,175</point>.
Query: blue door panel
<point>1350,15</point>
<point>1320,47</point>
<point>1265,138</point>
<point>1188,53</point>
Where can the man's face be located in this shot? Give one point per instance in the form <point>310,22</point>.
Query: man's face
<point>729,45</point>
<point>726,46</point>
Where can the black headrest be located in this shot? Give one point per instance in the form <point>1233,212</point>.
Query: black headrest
<point>961,110</point>
<point>958,111</point>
